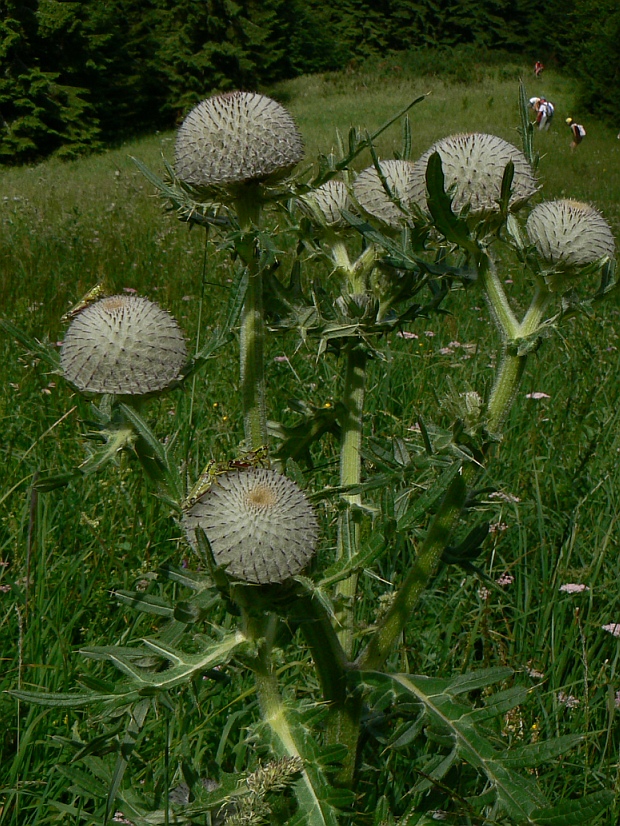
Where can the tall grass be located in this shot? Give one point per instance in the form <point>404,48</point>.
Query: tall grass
<point>66,226</point>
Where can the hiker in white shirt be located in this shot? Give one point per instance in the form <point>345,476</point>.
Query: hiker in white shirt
<point>545,114</point>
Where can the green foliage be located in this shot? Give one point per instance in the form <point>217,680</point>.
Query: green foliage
<point>456,744</point>
<point>75,78</point>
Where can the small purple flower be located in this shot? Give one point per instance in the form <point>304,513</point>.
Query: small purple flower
<point>505,579</point>
<point>281,359</point>
<point>498,527</point>
<point>406,334</point>
<point>446,351</point>
<point>537,395</point>
<point>567,699</point>
<point>429,333</point>
<point>574,588</point>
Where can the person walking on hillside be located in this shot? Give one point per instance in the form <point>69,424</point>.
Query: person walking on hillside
<point>538,67</point>
<point>546,110</point>
<point>577,131</point>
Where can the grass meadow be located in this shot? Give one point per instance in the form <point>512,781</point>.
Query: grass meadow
<point>66,226</point>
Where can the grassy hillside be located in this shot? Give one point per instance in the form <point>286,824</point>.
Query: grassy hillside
<point>67,226</point>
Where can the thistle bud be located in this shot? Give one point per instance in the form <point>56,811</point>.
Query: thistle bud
<point>372,196</point>
<point>259,524</point>
<point>473,167</point>
<point>326,202</point>
<point>235,138</point>
<point>569,234</point>
<point>123,345</point>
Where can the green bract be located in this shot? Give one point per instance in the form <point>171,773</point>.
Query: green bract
<point>234,138</point>
<point>473,167</point>
<point>259,524</point>
<point>123,345</point>
<point>372,196</point>
<point>569,234</point>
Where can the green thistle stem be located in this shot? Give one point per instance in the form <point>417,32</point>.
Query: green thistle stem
<point>252,360</point>
<point>498,302</point>
<point>350,474</point>
<point>512,364</point>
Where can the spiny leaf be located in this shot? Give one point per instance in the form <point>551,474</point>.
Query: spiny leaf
<point>574,812</point>
<point>534,754</point>
<point>439,202</point>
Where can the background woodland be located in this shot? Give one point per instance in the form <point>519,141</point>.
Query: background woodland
<point>80,76</point>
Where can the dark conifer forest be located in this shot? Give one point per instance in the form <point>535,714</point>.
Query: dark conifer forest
<point>80,75</point>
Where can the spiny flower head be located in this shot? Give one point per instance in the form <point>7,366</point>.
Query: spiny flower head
<point>123,345</point>
<point>235,138</point>
<point>569,234</point>
<point>473,166</point>
<point>371,194</point>
<point>326,203</point>
<point>259,524</point>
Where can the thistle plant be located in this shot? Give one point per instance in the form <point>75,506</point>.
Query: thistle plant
<point>267,589</point>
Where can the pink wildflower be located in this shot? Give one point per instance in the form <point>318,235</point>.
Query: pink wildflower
<point>505,497</point>
<point>573,588</point>
<point>537,395</point>
<point>505,579</point>
<point>406,334</point>
<point>498,527</point>
<point>446,351</point>
<point>613,628</point>
<point>130,290</point>
<point>281,359</point>
<point>567,699</point>
<point>429,333</point>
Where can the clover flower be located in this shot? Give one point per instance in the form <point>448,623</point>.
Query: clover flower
<point>236,137</point>
<point>371,194</point>
<point>123,345</point>
<point>569,234</point>
<point>259,524</point>
<point>473,167</point>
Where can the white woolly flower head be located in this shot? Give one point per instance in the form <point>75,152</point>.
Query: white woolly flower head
<point>235,138</point>
<point>372,196</point>
<point>259,524</point>
<point>473,166</point>
<point>123,345</point>
<point>325,204</point>
<point>569,234</point>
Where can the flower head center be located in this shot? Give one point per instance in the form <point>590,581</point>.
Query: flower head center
<point>262,497</point>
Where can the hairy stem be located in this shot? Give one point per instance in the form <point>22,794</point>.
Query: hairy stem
<point>512,364</point>
<point>350,474</point>
<point>252,327</point>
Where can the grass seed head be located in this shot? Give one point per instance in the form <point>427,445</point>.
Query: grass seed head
<point>259,524</point>
<point>234,138</point>
<point>473,167</point>
<point>569,234</point>
<point>123,345</point>
<point>372,196</point>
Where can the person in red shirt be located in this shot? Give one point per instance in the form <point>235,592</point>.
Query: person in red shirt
<point>538,67</point>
